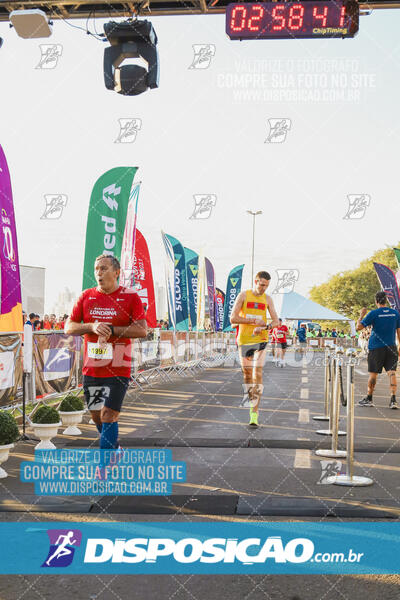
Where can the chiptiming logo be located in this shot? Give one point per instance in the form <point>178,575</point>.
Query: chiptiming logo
<point>62,547</point>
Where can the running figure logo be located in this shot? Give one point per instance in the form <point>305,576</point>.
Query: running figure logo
<point>203,53</point>
<point>128,129</point>
<point>358,204</point>
<point>50,54</point>
<point>98,395</point>
<point>286,280</point>
<point>278,129</point>
<point>203,205</point>
<point>329,469</point>
<point>55,204</point>
<point>62,547</point>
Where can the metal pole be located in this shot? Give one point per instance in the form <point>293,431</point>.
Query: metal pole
<point>349,479</point>
<point>253,214</point>
<point>333,370</point>
<point>327,380</point>
<point>334,452</point>
<point>252,253</point>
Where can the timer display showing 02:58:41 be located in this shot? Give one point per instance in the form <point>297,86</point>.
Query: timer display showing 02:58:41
<point>304,19</point>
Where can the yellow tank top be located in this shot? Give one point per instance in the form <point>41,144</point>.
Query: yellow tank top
<point>253,306</point>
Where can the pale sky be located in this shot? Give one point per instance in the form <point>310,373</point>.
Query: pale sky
<point>204,131</point>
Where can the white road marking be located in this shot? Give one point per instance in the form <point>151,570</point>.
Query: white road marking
<point>304,393</point>
<point>304,415</point>
<point>302,459</point>
<point>304,380</point>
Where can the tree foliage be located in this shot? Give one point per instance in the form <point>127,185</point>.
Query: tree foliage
<point>349,291</point>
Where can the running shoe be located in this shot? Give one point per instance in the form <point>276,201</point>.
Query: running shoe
<point>366,402</point>
<point>393,404</point>
<point>119,454</point>
<point>253,419</point>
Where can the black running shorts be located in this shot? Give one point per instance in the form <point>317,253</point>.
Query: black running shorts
<point>385,357</point>
<point>104,391</point>
<point>282,345</point>
<point>248,350</point>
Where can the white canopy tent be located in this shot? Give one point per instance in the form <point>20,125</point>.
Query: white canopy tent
<point>294,306</point>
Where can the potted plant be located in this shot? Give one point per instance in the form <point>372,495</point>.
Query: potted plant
<point>45,424</point>
<point>9,433</point>
<point>71,410</point>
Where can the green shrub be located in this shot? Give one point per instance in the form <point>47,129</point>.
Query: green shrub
<point>71,403</point>
<point>9,432</point>
<point>46,414</point>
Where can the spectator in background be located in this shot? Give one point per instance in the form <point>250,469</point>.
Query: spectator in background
<point>334,333</point>
<point>36,322</point>
<point>302,336</point>
<point>52,320</point>
<point>59,325</point>
<point>46,322</point>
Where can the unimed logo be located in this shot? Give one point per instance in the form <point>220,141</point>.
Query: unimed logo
<point>62,547</point>
<point>190,550</point>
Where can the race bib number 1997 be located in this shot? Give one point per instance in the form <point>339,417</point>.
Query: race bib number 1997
<point>96,350</point>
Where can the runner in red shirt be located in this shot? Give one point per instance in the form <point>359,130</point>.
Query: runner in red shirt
<point>108,316</point>
<point>280,333</point>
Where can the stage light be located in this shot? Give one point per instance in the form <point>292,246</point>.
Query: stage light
<point>130,39</point>
<point>30,23</point>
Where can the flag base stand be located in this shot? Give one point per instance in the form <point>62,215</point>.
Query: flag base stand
<point>355,481</point>
<point>332,453</point>
<point>329,432</point>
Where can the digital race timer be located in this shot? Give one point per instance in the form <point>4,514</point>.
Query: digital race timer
<point>304,19</point>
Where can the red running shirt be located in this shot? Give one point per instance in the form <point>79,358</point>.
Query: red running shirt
<point>122,307</point>
<point>281,334</point>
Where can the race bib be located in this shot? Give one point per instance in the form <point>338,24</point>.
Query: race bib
<point>251,317</point>
<point>103,351</point>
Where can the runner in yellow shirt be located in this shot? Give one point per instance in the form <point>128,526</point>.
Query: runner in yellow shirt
<point>250,313</point>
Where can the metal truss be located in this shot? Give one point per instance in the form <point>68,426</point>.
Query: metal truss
<point>85,9</point>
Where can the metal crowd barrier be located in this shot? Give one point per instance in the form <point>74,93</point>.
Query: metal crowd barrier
<point>163,355</point>
<point>178,354</point>
<point>334,397</point>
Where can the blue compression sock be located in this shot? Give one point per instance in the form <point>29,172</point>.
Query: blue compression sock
<point>109,436</point>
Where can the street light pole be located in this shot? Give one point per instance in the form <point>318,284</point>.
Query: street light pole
<point>254,214</point>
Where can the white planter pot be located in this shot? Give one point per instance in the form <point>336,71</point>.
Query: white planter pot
<point>70,420</point>
<point>4,452</point>
<point>45,431</point>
